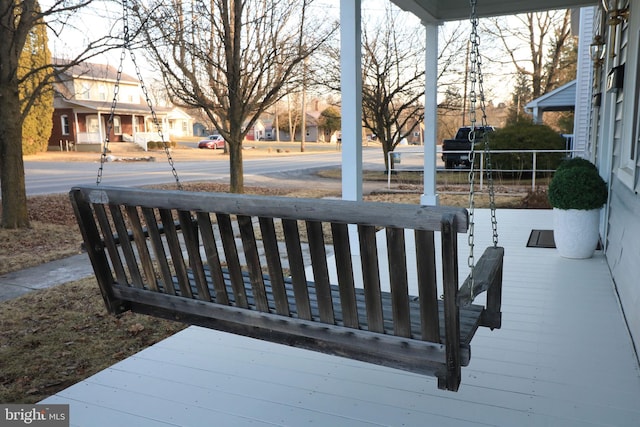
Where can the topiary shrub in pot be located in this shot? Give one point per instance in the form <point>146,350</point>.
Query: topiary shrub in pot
<point>577,192</point>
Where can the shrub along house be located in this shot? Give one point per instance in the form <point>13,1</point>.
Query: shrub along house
<point>82,105</point>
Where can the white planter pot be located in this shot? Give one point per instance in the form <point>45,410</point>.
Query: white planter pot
<point>576,232</point>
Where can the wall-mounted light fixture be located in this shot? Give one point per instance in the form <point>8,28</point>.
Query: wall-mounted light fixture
<point>617,12</point>
<point>597,50</point>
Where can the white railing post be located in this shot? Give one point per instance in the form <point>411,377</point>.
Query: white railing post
<point>389,170</point>
<point>534,166</point>
<point>481,170</point>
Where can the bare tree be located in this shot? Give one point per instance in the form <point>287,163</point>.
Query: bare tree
<point>17,21</point>
<point>393,80</point>
<point>393,51</point>
<point>231,58</point>
<point>534,44</point>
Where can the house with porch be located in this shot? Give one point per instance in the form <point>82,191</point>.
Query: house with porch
<point>83,97</point>
<point>567,352</point>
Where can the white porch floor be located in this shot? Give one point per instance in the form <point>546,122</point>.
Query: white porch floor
<point>562,358</point>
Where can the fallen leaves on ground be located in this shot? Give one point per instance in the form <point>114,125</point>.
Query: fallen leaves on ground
<point>56,337</point>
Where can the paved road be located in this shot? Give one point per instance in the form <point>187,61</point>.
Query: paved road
<point>44,177</point>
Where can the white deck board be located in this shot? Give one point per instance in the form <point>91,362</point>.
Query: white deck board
<point>563,357</point>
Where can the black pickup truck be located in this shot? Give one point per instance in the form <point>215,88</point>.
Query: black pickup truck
<point>456,151</point>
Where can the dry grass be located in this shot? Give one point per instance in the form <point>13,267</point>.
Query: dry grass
<point>41,243</point>
<point>53,235</point>
<point>54,338</point>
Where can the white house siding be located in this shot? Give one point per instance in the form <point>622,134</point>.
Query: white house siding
<point>623,252</point>
<point>584,80</point>
<point>623,227</point>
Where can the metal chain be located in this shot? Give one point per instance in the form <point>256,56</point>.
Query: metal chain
<point>473,73</point>
<point>126,47</point>
<point>114,103</point>
<point>476,79</point>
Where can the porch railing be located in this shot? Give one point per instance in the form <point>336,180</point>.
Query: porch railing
<point>89,138</point>
<point>413,161</point>
<point>141,138</point>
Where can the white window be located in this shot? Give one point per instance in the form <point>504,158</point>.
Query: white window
<point>86,91</point>
<point>102,92</point>
<point>93,125</point>
<point>65,124</point>
<point>628,169</point>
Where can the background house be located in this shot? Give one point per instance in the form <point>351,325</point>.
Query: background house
<point>82,106</point>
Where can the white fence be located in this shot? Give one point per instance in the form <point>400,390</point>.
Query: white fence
<point>142,138</point>
<point>89,138</point>
<point>413,161</point>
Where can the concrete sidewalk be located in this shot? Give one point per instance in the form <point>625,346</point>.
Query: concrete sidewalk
<point>45,275</point>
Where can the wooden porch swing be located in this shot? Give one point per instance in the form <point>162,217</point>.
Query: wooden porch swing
<point>237,263</point>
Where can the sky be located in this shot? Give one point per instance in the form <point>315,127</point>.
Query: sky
<point>103,17</point>
<point>98,19</point>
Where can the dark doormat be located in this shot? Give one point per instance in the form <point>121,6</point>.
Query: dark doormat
<point>544,239</point>
<point>541,239</point>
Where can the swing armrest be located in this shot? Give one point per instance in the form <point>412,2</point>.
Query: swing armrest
<point>487,273</point>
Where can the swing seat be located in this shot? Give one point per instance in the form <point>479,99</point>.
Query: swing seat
<point>236,263</point>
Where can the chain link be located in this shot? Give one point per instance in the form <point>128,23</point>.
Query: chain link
<point>127,47</point>
<point>477,83</point>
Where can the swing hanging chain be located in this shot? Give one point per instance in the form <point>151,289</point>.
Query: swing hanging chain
<point>472,138</point>
<point>127,47</point>
<point>476,79</point>
<point>114,103</point>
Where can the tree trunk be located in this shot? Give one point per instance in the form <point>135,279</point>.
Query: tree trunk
<point>236,171</point>
<point>385,153</point>
<point>14,196</point>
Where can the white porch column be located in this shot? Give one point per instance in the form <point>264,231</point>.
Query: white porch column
<point>429,197</point>
<point>77,127</point>
<point>537,115</point>
<point>351,90</point>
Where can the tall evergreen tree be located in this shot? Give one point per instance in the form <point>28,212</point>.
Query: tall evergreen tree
<point>33,71</point>
<point>520,97</point>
